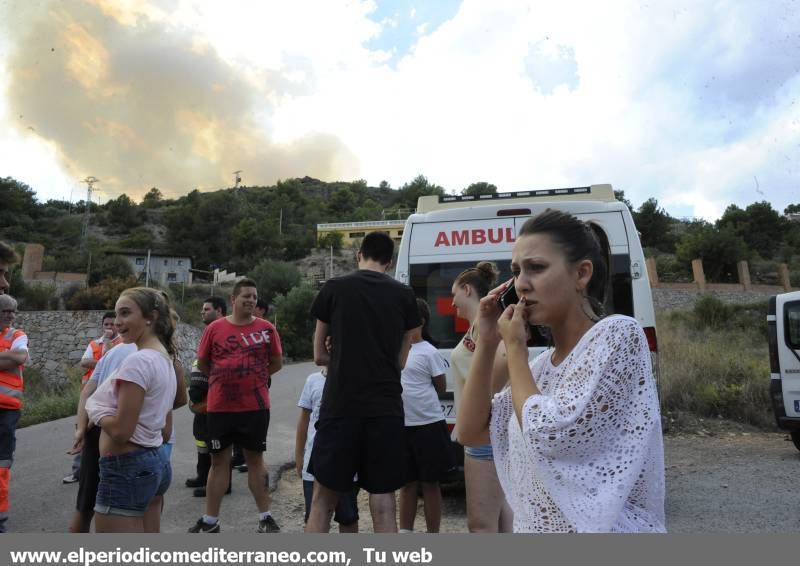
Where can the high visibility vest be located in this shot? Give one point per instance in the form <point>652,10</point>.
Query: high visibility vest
<point>97,352</point>
<point>11,379</point>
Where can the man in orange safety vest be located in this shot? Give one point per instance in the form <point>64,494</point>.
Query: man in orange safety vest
<point>13,356</point>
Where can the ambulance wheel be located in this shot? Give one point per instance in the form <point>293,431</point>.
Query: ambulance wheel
<point>796,438</point>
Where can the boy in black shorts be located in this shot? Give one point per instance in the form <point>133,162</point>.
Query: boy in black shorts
<point>238,353</point>
<point>369,318</point>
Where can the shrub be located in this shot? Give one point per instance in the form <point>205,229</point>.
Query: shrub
<point>334,239</point>
<point>710,312</point>
<point>274,277</point>
<point>294,323</point>
<point>715,372</point>
<point>37,297</point>
<point>109,266</point>
<point>46,402</point>
<point>671,270</point>
<point>101,296</point>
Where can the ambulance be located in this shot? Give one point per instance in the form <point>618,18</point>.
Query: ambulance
<point>448,234</point>
<point>783,326</point>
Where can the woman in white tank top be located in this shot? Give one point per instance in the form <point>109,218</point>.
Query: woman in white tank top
<point>487,510</point>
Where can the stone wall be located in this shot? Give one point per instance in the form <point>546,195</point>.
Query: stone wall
<point>682,299</point>
<point>59,338</point>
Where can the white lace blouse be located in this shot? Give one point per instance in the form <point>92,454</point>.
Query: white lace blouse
<point>589,456</point>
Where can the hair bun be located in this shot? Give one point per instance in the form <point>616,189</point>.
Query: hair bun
<point>488,271</point>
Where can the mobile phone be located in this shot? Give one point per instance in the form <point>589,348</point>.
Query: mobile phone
<point>507,298</point>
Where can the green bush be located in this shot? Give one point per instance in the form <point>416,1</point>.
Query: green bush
<point>670,270</point>
<point>37,297</point>
<point>274,277</point>
<point>718,371</point>
<point>102,296</point>
<point>711,313</point>
<point>109,266</point>
<point>45,402</point>
<point>334,239</point>
<point>294,323</point>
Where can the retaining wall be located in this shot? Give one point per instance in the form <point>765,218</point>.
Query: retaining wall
<point>682,299</point>
<point>59,338</point>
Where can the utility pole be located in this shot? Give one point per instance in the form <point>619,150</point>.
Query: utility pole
<point>280,223</point>
<point>147,270</point>
<point>90,182</point>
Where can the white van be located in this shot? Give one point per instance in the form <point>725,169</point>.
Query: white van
<point>783,324</point>
<point>449,233</point>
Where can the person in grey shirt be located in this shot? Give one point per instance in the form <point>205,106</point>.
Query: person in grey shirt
<point>87,439</point>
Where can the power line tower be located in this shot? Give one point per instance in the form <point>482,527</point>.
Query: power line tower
<point>237,178</point>
<point>90,182</point>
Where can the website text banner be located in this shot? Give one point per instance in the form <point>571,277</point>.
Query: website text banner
<point>400,550</point>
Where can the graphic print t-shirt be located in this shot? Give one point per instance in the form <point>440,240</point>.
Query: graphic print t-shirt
<point>239,357</point>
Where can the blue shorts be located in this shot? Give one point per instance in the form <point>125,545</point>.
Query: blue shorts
<point>346,508</point>
<point>166,450</point>
<point>129,482</point>
<point>483,452</point>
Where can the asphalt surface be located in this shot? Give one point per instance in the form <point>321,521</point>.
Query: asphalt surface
<point>719,482</point>
<point>39,502</point>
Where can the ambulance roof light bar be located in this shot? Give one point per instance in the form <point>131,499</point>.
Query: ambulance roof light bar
<point>594,192</point>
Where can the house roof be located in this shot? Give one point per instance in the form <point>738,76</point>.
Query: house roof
<point>134,252</point>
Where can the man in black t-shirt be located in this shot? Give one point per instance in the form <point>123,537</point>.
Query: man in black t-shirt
<point>369,318</point>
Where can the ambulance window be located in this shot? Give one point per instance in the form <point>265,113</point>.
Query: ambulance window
<point>433,283</point>
<point>791,319</point>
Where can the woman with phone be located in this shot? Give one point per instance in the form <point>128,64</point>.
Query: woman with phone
<point>133,409</point>
<point>487,510</point>
<point>577,433</point>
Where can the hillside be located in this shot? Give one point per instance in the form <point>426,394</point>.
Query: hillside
<point>236,228</point>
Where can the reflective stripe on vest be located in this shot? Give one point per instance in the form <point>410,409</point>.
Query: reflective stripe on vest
<point>97,352</point>
<point>5,474</point>
<point>11,384</point>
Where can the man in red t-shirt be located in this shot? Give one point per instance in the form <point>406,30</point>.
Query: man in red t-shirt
<point>238,353</point>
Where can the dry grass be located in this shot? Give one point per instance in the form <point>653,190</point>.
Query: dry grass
<point>718,370</point>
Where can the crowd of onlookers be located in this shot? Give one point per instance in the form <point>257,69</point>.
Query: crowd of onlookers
<point>570,441</point>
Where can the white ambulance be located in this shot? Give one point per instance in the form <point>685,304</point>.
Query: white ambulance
<point>449,233</point>
<point>783,324</point>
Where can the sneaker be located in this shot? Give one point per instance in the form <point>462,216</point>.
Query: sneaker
<point>268,525</point>
<point>70,479</point>
<point>242,468</point>
<point>202,527</point>
<point>195,482</point>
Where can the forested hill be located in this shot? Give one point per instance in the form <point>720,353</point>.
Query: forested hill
<point>230,228</point>
<point>236,228</point>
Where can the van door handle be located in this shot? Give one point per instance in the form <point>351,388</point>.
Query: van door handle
<point>636,269</point>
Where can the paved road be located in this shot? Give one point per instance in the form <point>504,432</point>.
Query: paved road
<point>41,503</point>
<point>731,482</point>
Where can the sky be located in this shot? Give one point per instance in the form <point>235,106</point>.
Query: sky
<point>693,103</point>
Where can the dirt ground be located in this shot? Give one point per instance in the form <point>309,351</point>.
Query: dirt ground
<point>288,507</point>
<point>721,477</point>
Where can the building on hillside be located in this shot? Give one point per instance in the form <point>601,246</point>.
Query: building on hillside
<point>32,273</point>
<point>353,232</point>
<point>163,268</point>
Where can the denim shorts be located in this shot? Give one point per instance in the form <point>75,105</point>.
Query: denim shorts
<point>483,452</point>
<point>129,482</point>
<point>166,450</point>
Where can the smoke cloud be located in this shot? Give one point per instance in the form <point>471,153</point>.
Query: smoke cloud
<point>138,102</point>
